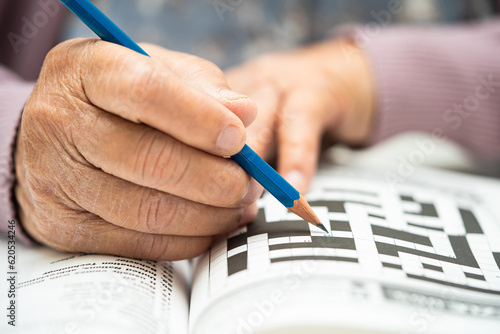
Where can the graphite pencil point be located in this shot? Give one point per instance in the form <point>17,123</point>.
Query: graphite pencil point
<point>321,226</point>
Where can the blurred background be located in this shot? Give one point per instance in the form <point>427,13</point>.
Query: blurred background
<point>228,32</point>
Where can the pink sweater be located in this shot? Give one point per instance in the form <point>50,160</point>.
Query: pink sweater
<point>441,79</point>
<point>444,79</point>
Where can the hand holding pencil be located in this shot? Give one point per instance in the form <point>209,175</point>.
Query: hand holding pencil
<point>250,161</point>
<point>142,172</point>
<point>122,154</point>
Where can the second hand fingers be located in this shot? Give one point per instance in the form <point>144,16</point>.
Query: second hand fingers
<point>261,134</point>
<point>299,138</point>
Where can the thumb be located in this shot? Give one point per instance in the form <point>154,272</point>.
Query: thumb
<point>206,77</point>
<point>241,105</point>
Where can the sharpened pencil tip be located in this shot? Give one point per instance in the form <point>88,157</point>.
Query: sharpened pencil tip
<point>302,209</point>
<point>321,226</point>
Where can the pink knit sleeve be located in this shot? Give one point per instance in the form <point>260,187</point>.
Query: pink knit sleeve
<point>13,96</point>
<point>438,79</point>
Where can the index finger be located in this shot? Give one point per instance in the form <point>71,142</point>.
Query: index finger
<point>144,90</point>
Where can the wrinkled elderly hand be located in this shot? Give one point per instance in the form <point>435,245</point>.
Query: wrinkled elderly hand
<point>123,154</point>
<point>302,95</point>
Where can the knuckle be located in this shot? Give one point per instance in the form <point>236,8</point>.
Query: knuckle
<point>147,212</point>
<point>144,162</point>
<point>173,163</point>
<point>65,59</point>
<point>155,215</point>
<point>164,163</point>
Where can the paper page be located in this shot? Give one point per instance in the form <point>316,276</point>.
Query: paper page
<point>422,256</point>
<point>76,293</point>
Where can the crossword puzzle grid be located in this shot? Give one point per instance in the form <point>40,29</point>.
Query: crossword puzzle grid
<point>450,250</point>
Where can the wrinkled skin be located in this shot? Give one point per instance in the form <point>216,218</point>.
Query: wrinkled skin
<point>122,154</point>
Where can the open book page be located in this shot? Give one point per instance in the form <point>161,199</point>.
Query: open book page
<point>421,256</point>
<point>78,293</point>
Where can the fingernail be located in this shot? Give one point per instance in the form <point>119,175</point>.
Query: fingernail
<point>254,192</point>
<point>296,179</point>
<point>231,96</point>
<point>229,139</point>
<point>249,214</point>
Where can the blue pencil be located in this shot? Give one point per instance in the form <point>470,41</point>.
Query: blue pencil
<point>250,161</point>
